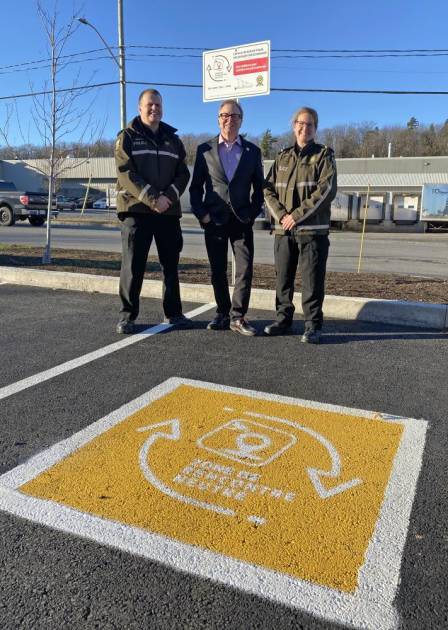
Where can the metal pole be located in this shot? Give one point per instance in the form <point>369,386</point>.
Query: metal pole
<point>122,65</point>
<point>120,61</point>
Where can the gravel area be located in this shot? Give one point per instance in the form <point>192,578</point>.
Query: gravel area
<point>372,285</point>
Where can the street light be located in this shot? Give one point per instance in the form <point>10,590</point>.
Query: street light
<point>120,61</point>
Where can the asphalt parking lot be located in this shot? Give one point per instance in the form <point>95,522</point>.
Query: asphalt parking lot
<point>63,576</point>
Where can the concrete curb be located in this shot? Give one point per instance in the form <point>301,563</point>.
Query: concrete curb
<point>418,314</point>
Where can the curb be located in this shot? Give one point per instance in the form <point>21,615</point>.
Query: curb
<point>419,314</point>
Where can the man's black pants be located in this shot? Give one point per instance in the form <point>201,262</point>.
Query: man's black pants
<point>137,232</point>
<point>241,239</point>
<point>310,253</point>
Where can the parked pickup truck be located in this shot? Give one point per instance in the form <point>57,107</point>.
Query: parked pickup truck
<point>19,206</point>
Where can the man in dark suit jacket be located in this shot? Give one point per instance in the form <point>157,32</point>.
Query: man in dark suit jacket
<point>226,195</point>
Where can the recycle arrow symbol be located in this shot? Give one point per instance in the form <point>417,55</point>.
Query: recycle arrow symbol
<point>315,474</point>
<point>174,426</point>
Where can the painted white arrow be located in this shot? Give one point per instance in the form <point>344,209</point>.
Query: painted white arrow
<point>315,474</point>
<point>173,434</point>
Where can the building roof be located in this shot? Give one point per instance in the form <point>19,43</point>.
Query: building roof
<point>354,174</point>
<point>389,181</point>
<point>74,168</point>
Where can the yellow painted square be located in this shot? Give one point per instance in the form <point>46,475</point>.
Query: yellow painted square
<point>291,488</point>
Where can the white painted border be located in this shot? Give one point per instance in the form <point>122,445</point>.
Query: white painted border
<point>67,366</point>
<point>371,606</point>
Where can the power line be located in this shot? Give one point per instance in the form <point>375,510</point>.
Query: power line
<point>360,50</point>
<point>311,90</point>
<point>305,50</point>
<point>361,56</point>
<point>27,63</point>
<point>197,85</point>
<point>65,63</point>
<point>136,57</point>
<point>70,89</point>
<point>310,53</point>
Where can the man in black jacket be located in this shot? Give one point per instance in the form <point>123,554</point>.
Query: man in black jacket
<point>152,175</point>
<point>227,170</point>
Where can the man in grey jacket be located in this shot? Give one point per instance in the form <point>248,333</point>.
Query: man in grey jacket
<point>226,195</point>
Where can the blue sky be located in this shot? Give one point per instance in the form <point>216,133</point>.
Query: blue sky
<point>383,24</point>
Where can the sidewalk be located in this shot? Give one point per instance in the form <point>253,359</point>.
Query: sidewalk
<point>419,314</point>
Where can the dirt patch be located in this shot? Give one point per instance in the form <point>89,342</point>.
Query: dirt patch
<point>373,285</point>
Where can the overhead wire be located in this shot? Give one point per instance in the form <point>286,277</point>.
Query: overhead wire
<point>310,53</point>
<point>198,85</point>
<point>317,53</point>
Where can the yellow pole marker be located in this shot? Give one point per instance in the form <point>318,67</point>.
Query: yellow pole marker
<point>86,195</point>
<point>363,228</point>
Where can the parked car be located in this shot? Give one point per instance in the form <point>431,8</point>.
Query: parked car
<point>101,204</point>
<point>16,205</point>
<point>80,201</point>
<point>64,203</point>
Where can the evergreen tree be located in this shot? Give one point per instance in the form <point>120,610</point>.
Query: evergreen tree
<point>412,123</point>
<point>266,144</point>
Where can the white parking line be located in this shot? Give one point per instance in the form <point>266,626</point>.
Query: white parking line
<point>46,375</point>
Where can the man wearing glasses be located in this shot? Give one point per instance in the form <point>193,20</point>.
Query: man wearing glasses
<point>298,193</point>
<point>226,195</point>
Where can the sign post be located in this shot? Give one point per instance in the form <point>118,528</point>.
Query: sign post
<point>236,72</point>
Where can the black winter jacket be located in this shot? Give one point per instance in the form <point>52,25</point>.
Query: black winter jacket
<point>149,165</point>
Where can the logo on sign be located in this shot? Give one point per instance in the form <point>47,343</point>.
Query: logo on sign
<point>247,442</point>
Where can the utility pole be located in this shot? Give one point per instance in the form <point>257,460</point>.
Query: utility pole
<point>122,65</point>
<point>120,61</point>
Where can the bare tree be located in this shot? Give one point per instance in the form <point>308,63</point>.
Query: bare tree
<point>8,152</point>
<point>61,112</point>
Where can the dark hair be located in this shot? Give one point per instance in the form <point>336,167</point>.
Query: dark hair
<point>149,91</point>
<point>231,101</point>
<point>306,110</point>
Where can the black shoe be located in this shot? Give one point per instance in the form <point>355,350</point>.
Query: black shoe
<point>125,327</point>
<point>277,328</point>
<point>243,327</point>
<point>180,321</point>
<point>220,322</point>
<point>311,336</point>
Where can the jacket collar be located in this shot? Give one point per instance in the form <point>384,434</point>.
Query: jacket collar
<point>238,140</point>
<point>164,129</point>
<point>214,143</point>
<point>308,148</point>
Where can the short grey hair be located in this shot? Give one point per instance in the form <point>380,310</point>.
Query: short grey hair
<point>232,101</point>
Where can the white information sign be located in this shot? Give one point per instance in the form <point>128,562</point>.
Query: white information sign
<point>236,72</point>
